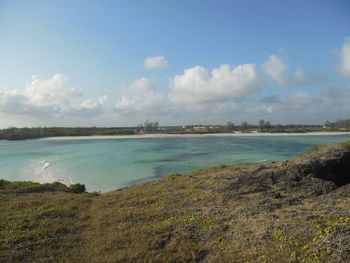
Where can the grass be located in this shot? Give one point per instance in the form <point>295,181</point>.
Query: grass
<point>32,187</point>
<point>345,144</point>
<point>225,213</point>
<point>315,148</point>
<point>34,227</point>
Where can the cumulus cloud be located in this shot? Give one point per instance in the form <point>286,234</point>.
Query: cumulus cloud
<point>140,97</point>
<point>45,97</point>
<point>344,67</point>
<point>329,104</point>
<point>276,69</point>
<point>90,107</point>
<point>197,86</point>
<point>156,62</point>
<point>14,102</point>
<point>297,108</point>
<point>50,92</point>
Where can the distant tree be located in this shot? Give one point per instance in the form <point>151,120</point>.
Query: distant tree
<point>261,125</point>
<point>229,127</point>
<point>267,125</point>
<point>244,126</point>
<point>139,127</point>
<point>343,123</point>
<point>151,126</point>
<point>328,124</point>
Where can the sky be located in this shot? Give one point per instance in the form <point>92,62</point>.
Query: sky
<point>178,62</point>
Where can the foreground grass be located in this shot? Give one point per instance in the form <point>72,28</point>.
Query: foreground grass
<point>227,213</point>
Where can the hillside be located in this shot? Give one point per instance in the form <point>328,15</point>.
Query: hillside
<point>287,211</point>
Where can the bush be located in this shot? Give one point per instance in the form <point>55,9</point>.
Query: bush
<point>30,187</point>
<point>77,188</point>
<point>33,187</point>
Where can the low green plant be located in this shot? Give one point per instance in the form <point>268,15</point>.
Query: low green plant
<point>22,187</point>
<point>77,188</point>
<point>345,144</point>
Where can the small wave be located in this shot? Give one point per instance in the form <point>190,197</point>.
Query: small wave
<point>262,161</point>
<point>46,164</point>
<point>45,172</point>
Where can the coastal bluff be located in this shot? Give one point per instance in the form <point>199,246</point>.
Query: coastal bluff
<point>295,210</point>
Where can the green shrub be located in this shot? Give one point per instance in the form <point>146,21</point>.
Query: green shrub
<point>33,187</point>
<point>30,187</point>
<point>77,188</point>
<point>345,144</point>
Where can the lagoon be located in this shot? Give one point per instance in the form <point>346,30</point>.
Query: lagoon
<point>108,164</point>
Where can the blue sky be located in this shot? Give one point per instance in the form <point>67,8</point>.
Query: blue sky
<point>286,61</point>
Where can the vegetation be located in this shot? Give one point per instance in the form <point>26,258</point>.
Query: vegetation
<point>36,226</point>
<point>32,187</point>
<point>263,126</point>
<point>34,133</point>
<point>150,127</point>
<point>345,124</point>
<point>153,127</point>
<point>244,127</point>
<point>230,127</point>
<point>287,211</point>
<point>345,144</point>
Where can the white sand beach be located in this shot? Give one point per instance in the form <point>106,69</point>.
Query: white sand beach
<point>143,136</point>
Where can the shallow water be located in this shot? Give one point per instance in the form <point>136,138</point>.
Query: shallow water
<point>108,164</point>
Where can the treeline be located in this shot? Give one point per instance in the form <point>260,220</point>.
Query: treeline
<point>153,127</point>
<point>267,127</point>
<point>148,127</point>
<point>42,132</point>
<point>338,124</point>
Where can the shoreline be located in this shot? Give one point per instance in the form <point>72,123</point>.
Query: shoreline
<point>156,136</point>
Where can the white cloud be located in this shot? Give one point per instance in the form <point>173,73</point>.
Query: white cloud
<point>298,108</point>
<point>90,107</point>
<point>156,62</point>
<point>305,107</point>
<point>140,97</point>
<point>344,67</point>
<point>46,98</point>
<point>41,97</point>
<point>14,102</point>
<point>197,86</point>
<point>50,92</point>
<point>276,69</point>
<point>300,77</point>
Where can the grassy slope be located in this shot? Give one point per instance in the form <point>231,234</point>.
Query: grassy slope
<point>235,213</point>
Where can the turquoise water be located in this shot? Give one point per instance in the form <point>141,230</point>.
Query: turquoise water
<point>108,164</point>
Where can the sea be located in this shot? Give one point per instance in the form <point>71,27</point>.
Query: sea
<point>109,164</point>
